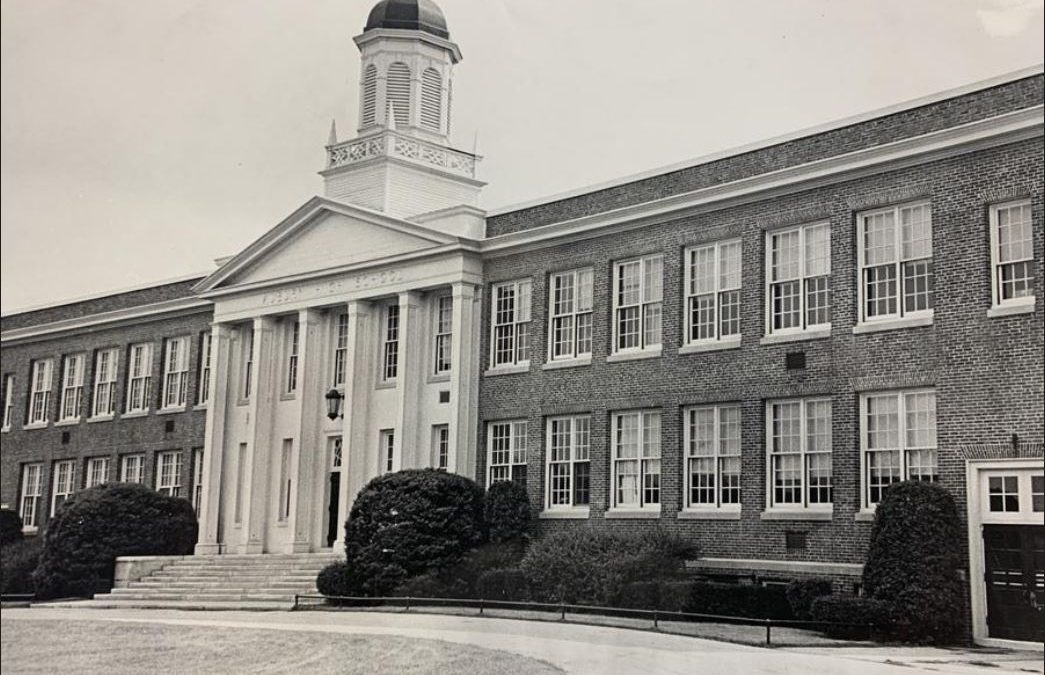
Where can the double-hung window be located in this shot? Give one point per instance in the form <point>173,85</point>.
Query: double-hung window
<point>798,439</point>
<point>637,295</point>
<point>713,293</point>
<point>570,310</point>
<point>511,324</point>
<point>168,473</point>
<point>203,390</point>
<point>72,387</point>
<point>390,353</point>
<point>897,440</point>
<point>9,394</point>
<point>895,251</point>
<point>444,326</point>
<point>569,462</point>
<point>106,367</point>
<point>139,377</point>
<point>1012,254</point>
<point>798,279</point>
<point>248,362</point>
<point>40,394</point>
<point>340,348</point>
<point>176,373</point>
<point>387,442</point>
<point>97,471</point>
<point>132,469</point>
<point>441,446</point>
<point>636,460</point>
<point>197,479</point>
<point>506,452</point>
<point>712,442</point>
<point>32,490</point>
<point>62,483</point>
<point>293,336</point>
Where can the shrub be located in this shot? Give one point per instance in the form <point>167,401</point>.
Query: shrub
<point>433,585</point>
<point>507,511</point>
<point>639,595</point>
<point>408,523</point>
<point>675,596</point>
<point>96,525</point>
<point>503,584</point>
<point>10,527</point>
<point>802,592</point>
<point>869,617</point>
<point>913,562</point>
<point>590,565</point>
<point>747,600</point>
<point>336,579</point>
<point>18,560</point>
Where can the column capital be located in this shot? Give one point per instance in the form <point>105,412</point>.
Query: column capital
<point>464,290</point>
<point>359,307</point>
<point>264,323</point>
<point>410,298</point>
<point>309,315</point>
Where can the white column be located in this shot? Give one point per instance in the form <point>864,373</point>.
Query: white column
<point>260,411</point>
<point>409,376</point>
<point>464,379</point>
<point>309,406</point>
<point>209,542</point>
<point>356,464</point>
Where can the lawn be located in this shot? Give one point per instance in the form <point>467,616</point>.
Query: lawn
<point>112,648</point>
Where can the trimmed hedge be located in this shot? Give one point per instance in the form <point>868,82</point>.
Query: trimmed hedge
<point>914,561</point>
<point>503,584</point>
<point>801,593</point>
<point>10,527</point>
<point>507,511</point>
<point>96,525</point>
<point>18,560</point>
<point>872,617</point>
<point>746,600</point>
<point>336,579</point>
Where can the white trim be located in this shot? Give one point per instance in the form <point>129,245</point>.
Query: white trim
<point>506,370</point>
<point>801,277</point>
<point>567,363</point>
<point>578,277</point>
<point>637,355</point>
<point>645,297</point>
<point>806,510</point>
<point>901,313</point>
<point>721,513</point>
<point>1013,309</point>
<point>998,305</point>
<point>576,513</point>
<point>629,510</point>
<point>866,506</point>
<point>732,342</point>
<point>518,428</point>
<point>688,295</point>
<point>521,315</point>
<point>925,319</point>
<point>818,334</point>
<point>571,462</point>
<point>784,566</point>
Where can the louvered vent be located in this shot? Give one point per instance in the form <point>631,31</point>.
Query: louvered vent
<point>399,92</point>
<point>369,96</point>
<point>431,99</point>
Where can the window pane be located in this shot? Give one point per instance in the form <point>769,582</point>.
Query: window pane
<point>729,265</point>
<point>785,259</point>
<point>880,291</point>
<point>879,238</point>
<point>702,270</point>
<point>787,309</point>
<point>817,250</point>
<point>918,285</point>
<point>916,232</point>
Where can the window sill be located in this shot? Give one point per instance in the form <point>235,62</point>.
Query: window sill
<point>1012,309</point>
<point>797,514</point>
<point>100,418</point>
<point>288,396</point>
<point>711,345</point>
<point>709,514</point>
<point>564,514</point>
<point>864,516</point>
<point>68,423</point>
<point>634,356</point>
<point>36,425</point>
<point>800,336</point>
<point>30,529</point>
<point>632,514</point>
<point>200,406</point>
<point>441,377</point>
<point>169,411</point>
<point>567,363</point>
<point>385,385</point>
<point>4,430</point>
<point>507,370</point>
<point>135,413</point>
<point>893,324</point>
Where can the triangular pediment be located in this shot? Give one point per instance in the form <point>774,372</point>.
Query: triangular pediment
<point>323,235</point>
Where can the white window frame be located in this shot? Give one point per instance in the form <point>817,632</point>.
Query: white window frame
<point>337,453</point>
<point>203,390</point>
<point>247,359</point>
<point>725,278</point>
<point>168,473</point>
<point>513,324</point>
<point>441,446</point>
<point>390,343</point>
<point>646,458</point>
<point>197,479</point>
<point>648,303</point>
<point>903,447</point>
<point>72,388</point>
<point>340,340</point>
<point>571,304</point>
<point>9,385</point>
<point>63,476</point>
<point>806,273</point>
<point>286,458</point>
<point>806,453</point>
<point>444,334</point>
<point>32,492</point>
<point>568,449</point>
<point>176,373</point>
<point>132,468</point>
<point>723,450</point>
<point>902,313</point>
<point>293,346</point>
<point>40,394</point>
<point>139,377</point>
<point>97,472</point>
<point>386,448</point>
<point>106,373</point>
<point>506,451</point>
<point>997,264</point>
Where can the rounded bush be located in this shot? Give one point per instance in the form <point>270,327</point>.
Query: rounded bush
<point>914,561</point>
<point>336,579</point>
<point>18,561</point>
<point>802,592</point>
<point>10,527</point>
<point>96,525</point>
<point>407,523</point>
<point>853,618</point>
<point>507,511</point>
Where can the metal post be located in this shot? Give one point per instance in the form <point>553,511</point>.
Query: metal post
<point>655,619</point>
<point>768,626</point>
<point>480,606</point>
<point>562,610</point>
<point>407,604</point>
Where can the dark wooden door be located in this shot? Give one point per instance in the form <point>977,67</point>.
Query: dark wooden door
<point>1014,557</point>
<point>335,492</point>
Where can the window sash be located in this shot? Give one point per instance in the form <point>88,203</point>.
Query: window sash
<point>197,480</point>
<point>139,377</point>
<point>799,453</point>
<point>441,446</point>
<point>636,460</point>
<point>97,471</point>
<point>637,303</point>
<point>570,304</point>
<point>1012,253</point>
<point>340,349</point>
<point>510,342</point>
<point>72,387</point>
<point>293,338</point>
<point>206,345</point>
<point>40,395</point>
<point>798,279</point>
<point>168,473</point>
<point>506,451</point>
<point>32,491</point>
<point>391,344</point>
<point>105,376</point>
<point>897,440</point>
<point>712,438</point>
<point>132,469</point>
<point>896,277</point>
<point>569,463</point>
<point>9,384</point>
<point>176,373</point>
<point>444,319</point>
<point>388,449</point>
<point>62,483</point>
<point>712,283</point>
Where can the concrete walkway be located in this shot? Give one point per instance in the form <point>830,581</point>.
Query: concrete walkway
<point>577,648</point>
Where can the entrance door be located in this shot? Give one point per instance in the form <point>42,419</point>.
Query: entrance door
<point>1014,564</point>
<point>335,491</point>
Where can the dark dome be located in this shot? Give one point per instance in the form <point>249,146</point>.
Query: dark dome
<point>422,15</point>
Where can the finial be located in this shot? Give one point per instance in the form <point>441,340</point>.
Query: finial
<point>475,143</point>
<point>332,139</point>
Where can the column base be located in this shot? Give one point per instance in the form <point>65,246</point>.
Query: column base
<point>253,547</point>
<point>299,547</point>
<point>338,547</point>
<point>207,549</point>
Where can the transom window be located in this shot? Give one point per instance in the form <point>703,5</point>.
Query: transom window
<point>713,292</point>
<point>1012,253</point>
<point>106,365</point>
<point>72,387</point>
<point>203,390</point>
<point>40,394</point>
<point>896,262</point>
<point>507,452</point>
<point>132,469</point>
<point>444,322</point>
<point>340,348</point>
<point>798,261</point>
<point>638,291</point>
<point>898,440</point>
<point>32,490</point>
<point>62,483</point>
<point>391,344</point>
<point>798,436</point>
<point>636,459</point>
<point>570,310</point>
<point>511,323</point>
<point>569,462</point>
<point>139,377</point>
<point>97,471</point>
<point>712,441</point>
<point>176,373</point>
<point>1004,493</point>
<point>168,473</point>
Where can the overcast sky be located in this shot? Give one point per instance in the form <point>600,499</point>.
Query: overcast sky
<point>143,139</point>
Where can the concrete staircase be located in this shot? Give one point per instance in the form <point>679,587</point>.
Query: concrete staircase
<point>255,582</point>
